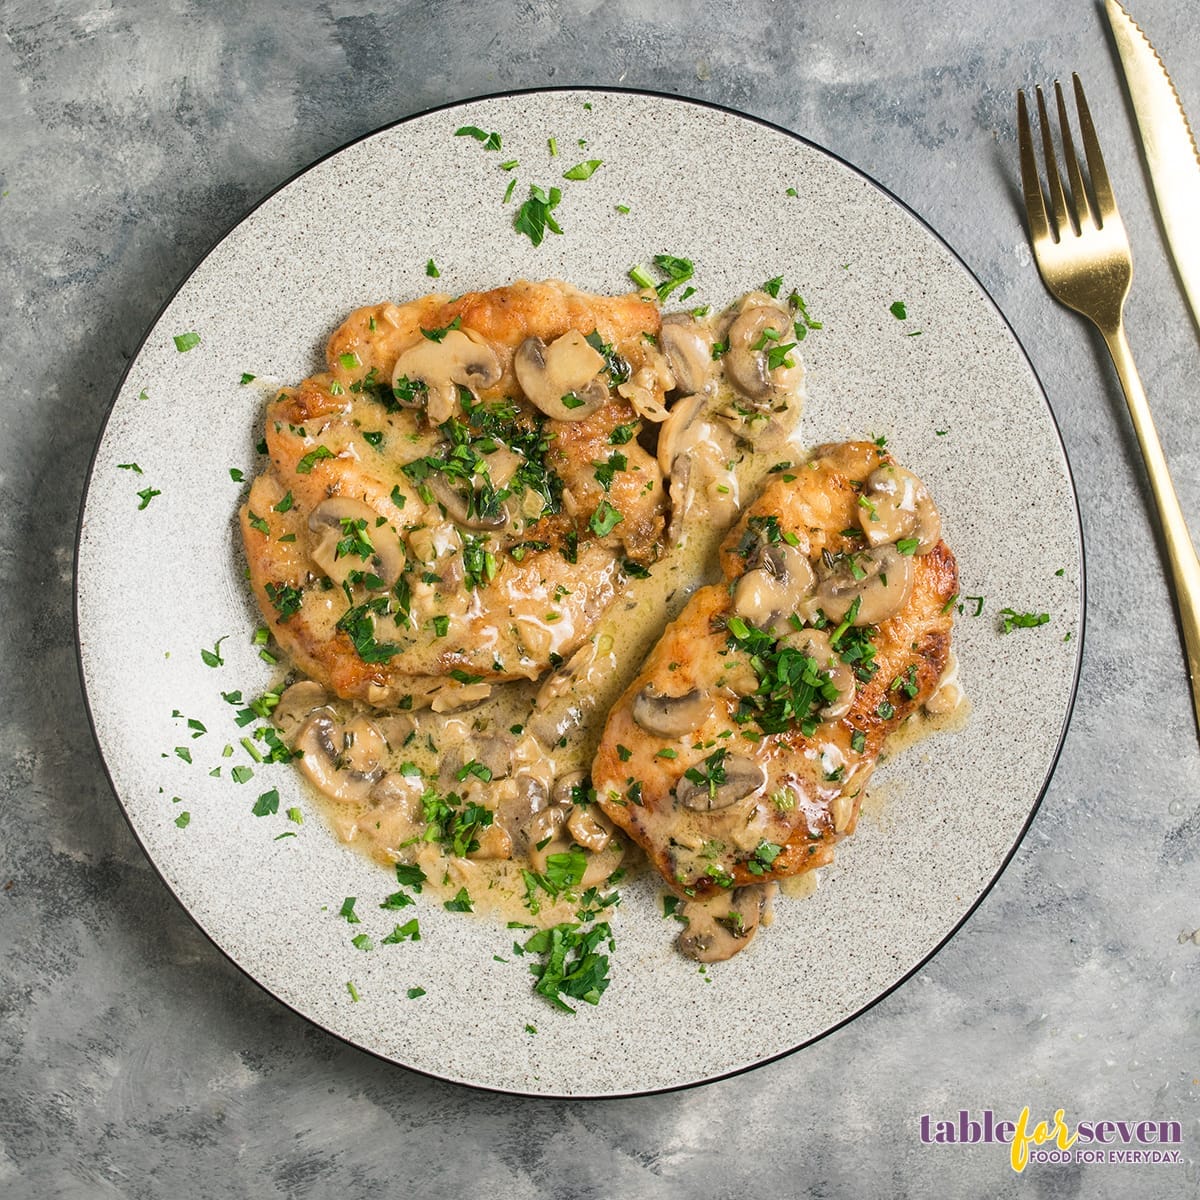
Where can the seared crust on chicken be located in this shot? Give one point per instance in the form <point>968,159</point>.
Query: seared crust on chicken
<point>740,752</point>
<point>450,504</point>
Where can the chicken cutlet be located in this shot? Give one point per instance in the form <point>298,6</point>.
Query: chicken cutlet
<point>455,501</point>
<point>739,754</point>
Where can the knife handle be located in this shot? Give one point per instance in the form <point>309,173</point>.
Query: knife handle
<point>1181,554</point>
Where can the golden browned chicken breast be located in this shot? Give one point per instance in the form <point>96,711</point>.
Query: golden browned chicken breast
<point>740,752</point>
<point>453,502</point>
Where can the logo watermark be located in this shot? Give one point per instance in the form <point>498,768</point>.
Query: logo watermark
<point>1055,1141</point>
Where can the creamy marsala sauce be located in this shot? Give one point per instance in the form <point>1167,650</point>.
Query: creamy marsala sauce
<point>485,785</point>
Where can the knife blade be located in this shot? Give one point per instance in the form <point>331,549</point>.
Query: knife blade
<point>1169,144</point>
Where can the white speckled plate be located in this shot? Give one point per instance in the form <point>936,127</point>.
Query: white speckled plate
<point>959,403</point>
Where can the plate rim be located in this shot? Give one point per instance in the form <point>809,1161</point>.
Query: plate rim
<point>727,110</point>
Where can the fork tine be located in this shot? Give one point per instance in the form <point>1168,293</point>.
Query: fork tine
<point>1035,203</point>
<point>1106,203</point>
<point>1079,196</point>
<point>1053,183</point>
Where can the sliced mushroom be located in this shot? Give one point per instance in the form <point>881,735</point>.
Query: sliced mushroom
<point>561,379</point>
<point>295,705</point>
<point>518,806</point>
<point>695,451</point>
<point>495,842</point>
<point>688,351</point>
<point>947,696</point>
<point>759,328</point>
<point>461,358</point>
<point>815,643</point>
<point>566,787</point>
<point>896,505</point>
<point>386,558</point>
<point>881,579</point>
<point>670,716</point>
<point>743,777</point>
<point>774,587</point>
<point>682,429</point>
<point>590,828</point>
<point>718,927</point>
<point>343,761</point>
<point>464,509</point>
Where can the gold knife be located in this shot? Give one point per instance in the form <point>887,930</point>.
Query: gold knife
<point>1169,144</point>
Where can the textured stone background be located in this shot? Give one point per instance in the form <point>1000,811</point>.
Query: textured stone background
<point>135,1061</point>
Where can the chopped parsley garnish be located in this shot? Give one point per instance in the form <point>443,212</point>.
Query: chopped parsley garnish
<point>362,941</point>
<point>438,335</point>
<point>1010,619</point>
<point>310,460</point>
<point>908,545</point>
<point>129,467</point>
<point>410,931</point>
<point>415,993</point>
<point>186,341</point>
<point>605,519</point>
<point>571,964</point>
<point>792,688</point>
<point>359,623</point>
<point>622,434</point>
<point>677,271</point>
<point>285,598</point>
<point>247,378</point>
<point>491,141</point>
<point>431,270</point>
<point>858,741</point>
<point>533,217</point>
<point>584,170</point>
<point>352,990</point>
<point>803,322</point>
<point>762,858</point>
<point>242,774</point>
<point>146,495</point>
<point>605,472</point>
<point>461,903</point>
<point>212,658</point>
<point>898,310</point>
<point>267,804</point>
<point>347,911</point>
<point>183,820</point>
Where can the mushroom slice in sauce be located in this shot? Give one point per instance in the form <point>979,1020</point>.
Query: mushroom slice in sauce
<point>295,705</point>
<point>774,588</point>
<point>881,580</point>
<point>896,505</point>
<point>717,928</point>
<point>554,824</point>
<point>670,716</point>
<point>464,509</point>
<point>460,359</point>
<point>760,328</point>
<point>742,777</point>
<point>344,761</point>
<point>348,539</point>
<point>563,378</point>
<point>688,351</point>
<point>590,828</point>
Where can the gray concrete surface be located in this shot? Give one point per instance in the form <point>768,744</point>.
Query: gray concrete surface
<point>135,1061</point>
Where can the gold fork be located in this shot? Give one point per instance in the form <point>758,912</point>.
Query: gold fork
<point>1083,255</point>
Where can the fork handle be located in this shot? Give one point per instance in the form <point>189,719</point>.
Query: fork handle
<point>1181,554</point>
